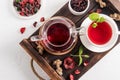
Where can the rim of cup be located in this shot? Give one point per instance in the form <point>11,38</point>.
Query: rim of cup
<point>75,12</point>
<point>114,28</point>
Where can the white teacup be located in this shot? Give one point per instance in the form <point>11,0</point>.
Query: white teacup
<point>103,47</point>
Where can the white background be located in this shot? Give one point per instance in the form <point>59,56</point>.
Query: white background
<point>15,62</point>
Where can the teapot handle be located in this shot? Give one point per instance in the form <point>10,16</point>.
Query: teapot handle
<point>118,32</point>
<point>34,71</point>
<point>81,31</point>
<point>36,38</point>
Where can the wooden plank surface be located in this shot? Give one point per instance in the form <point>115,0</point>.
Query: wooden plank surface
<point>45,61</point>
<point>116,4</point>
<point>40,61</point>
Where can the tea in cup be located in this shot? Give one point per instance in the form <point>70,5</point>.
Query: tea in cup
<point>101,34</point>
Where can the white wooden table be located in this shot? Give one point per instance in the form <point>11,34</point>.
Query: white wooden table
<point>15,64</point>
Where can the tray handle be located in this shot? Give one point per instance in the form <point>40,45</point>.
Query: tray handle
<point>34,71</point>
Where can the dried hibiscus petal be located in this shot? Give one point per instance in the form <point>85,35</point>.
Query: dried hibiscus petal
<point>22,30</point>
<point>42,19</point>
<point>71,77</point>
<point>77,71</point>
<point>31,1</point>
<point>69,63</point>
<point>22,13</point>
<point>35,24</point>
<point>86,63</point>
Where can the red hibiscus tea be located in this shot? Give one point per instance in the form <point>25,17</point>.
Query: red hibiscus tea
<point>58,34</point>
<point>101,34</point>
<point>58,37</point>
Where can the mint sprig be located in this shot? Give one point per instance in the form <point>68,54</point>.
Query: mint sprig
<point>80,55</point>
<point>101,19</point>
<point>96,18</point>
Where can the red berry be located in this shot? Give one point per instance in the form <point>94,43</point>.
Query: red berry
<point>22,13</point>
<point>25,1</point>
<point>22,30</point>
<point>77,71</point>
<point>42,19</point>
<point>31,1</point>
<point>34,24</point>
<point>69,63</point>
<point>86,63</point>
<point>71,77</point>
<point>22,3</point>
<point>22,9</point>
<point>38,6</point>
<point>32,11</point>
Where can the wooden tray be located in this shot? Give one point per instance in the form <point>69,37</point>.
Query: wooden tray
<point>46,60</point>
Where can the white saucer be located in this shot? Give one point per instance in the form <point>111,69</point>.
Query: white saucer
<point>100,48</point>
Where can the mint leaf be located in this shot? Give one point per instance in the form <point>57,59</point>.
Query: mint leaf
<point>80,60</point>
<point>94,16</point>
<point>85,56</point>
<point>74,55</point>
<point>101,19</point>
<point>80,50</point>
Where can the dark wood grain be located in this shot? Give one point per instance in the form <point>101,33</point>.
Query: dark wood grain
<point>40,60</point>
<point>46,60</point>
<point>116,4</point>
